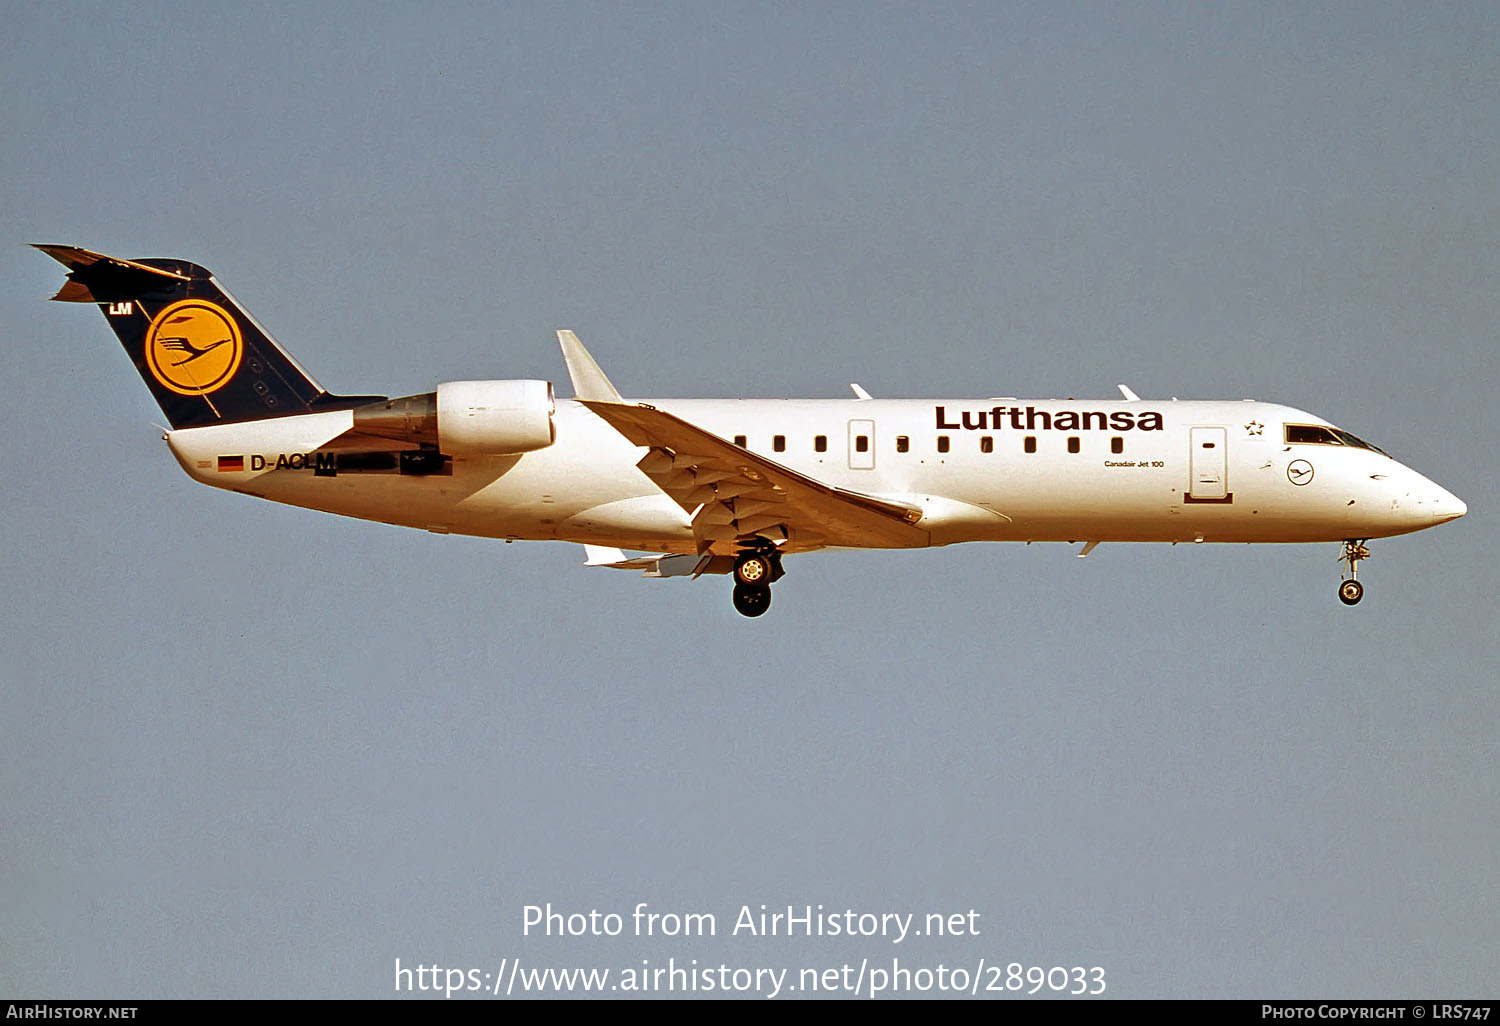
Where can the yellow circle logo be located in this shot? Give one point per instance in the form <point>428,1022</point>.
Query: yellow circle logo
<point>194,347</point>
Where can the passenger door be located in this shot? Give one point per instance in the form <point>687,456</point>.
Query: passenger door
<point>1208,465</point>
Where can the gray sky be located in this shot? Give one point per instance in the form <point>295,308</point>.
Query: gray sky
<point>253,750</point>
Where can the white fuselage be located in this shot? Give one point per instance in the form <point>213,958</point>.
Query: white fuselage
<point>1143,471</point>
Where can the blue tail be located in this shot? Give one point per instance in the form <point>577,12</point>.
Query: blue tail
<point>204,358</point>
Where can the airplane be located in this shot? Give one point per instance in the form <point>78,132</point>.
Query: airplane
<point>732,486</point>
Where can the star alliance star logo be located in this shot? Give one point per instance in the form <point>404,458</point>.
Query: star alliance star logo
<point>1254,427</point>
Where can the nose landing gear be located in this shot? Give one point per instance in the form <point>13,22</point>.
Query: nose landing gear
<point>1350,590</point>
<point>754,570</point>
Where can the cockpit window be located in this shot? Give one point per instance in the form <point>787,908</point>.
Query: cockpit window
<point>1357,442</point>
<point>1319,434</point>
<point>1310,434</point>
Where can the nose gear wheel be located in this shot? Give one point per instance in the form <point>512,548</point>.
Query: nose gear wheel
<point>1350,590</point>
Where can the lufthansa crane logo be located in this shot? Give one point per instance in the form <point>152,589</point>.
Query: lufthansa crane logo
<point>1299,472</point>
<point>194,347</point>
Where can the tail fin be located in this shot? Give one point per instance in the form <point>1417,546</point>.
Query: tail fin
<point>203,357</point>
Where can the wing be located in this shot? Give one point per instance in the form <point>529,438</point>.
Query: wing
<point>731,493</point>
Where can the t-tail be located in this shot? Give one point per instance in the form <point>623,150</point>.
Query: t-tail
<point>204,358</point>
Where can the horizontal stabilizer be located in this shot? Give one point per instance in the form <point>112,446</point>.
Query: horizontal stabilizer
<point>97,278</point>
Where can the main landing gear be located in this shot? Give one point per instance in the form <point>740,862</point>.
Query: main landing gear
<point>754,570</point>
<point>1350,590</point>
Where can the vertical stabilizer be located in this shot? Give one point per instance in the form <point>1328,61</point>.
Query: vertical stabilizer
<point>203,356</point>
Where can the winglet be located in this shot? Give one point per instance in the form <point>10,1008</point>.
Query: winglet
<point>589,381</point>
<point>1128,394</point>
<point>859,392</point>
<point>603,555</point>
<point>680,565</point>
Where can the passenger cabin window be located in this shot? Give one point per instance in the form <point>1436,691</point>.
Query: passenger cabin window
<point>986,444</point>
<point>903,443</point>
<point>1117,445</point>
<point>1319,434</point>
<point>820,443</point>
<point>942,443</point>
<point>1073,444</point>
<point>739,440</point>
<point>778,443</point>
<point>1030,444</point>
<point>861,443</point>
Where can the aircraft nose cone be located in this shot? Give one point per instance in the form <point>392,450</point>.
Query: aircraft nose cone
<point>1439,505</point>
<point>1422,502</point>
<point>1449,506</point>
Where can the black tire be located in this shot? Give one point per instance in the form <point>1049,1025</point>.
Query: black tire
<point>751,599</point>
<point>753,570</point>
<point>1350,592</point>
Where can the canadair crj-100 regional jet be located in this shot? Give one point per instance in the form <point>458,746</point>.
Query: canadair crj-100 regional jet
<point>714,486</point>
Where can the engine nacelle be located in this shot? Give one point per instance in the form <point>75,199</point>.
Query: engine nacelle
<point>494,418</point>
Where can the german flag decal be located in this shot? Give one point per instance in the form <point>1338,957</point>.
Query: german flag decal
<point>228,463</point>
